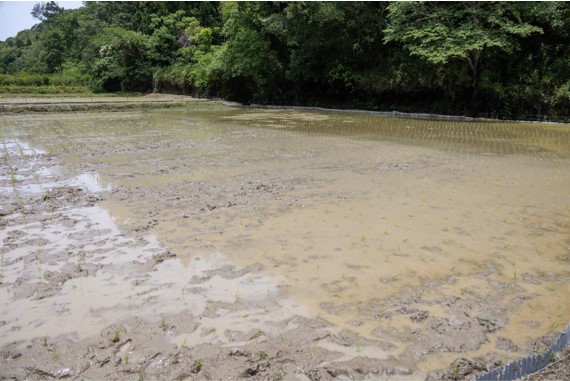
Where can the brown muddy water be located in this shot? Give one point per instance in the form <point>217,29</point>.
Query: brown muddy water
<point>230,242</point>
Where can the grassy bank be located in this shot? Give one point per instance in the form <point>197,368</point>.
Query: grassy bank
<point>22,103</point>
<point>43,90</point>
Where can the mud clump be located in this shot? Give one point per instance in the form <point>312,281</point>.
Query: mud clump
<point>469,369</point>
<point>466,369</point>
<point>138,347</point>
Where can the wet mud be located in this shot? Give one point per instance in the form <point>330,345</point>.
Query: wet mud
<point>276,244</point>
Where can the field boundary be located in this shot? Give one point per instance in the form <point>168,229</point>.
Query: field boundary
<point>528,365</point>
<point>399,114</point>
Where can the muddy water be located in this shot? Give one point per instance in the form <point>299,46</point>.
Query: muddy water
<point>416,240</point>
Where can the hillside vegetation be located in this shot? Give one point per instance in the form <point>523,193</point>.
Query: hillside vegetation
<point>493,59</point>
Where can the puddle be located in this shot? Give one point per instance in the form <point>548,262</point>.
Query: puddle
<point>119,278</point>
<point>412,239</point>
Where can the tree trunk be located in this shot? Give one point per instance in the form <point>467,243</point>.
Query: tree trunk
<point>473,59</point>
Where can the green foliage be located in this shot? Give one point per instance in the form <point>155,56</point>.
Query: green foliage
<point>13,89</point>
<point>52,54</point>
<point>248,69</point>
<point>69,80</point>
<point>438,32</point>
<point>441,32</point>
<point>505,59</point>
<point>196,40</point>
<point>334,45</point>
<point>167,37</point>
<point>46,11</point>
<point>70,74</point>
<point>249,66</point>
<point>123,62</point>
<point>24,79</point>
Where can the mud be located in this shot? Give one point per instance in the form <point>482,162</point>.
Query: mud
<point>232,243</point>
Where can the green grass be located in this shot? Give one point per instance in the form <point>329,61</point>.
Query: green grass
<point>117,336</point>
<point>88,107</point>
<point>16,89</point>
<point>198,366</point>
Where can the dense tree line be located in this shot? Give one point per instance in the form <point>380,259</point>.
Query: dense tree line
<point>488,58</point>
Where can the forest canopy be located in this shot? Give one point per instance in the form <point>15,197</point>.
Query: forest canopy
<point>497,59</point>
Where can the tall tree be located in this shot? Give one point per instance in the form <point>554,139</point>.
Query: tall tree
<point>333,45</point>
<point>441,32</point>
<point>46,11</point>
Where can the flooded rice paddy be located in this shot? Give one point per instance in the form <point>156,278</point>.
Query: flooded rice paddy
<point>300,244</point>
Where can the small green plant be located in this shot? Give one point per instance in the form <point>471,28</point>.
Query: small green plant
<point>263,355</point>
<point>198,366</point>
<point>456,370</point>
<point>553,327</point>
<point>553,356</point>
<point>126,358</point>
<point>45,340</point>
<point>55,356</point>
<point>503,359</point>
<point>117,336</point>
<point>13,177</point>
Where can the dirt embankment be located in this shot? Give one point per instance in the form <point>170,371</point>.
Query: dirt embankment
<point>25,104</point>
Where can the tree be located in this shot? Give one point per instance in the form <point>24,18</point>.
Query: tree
<point>333,46</point>
<point>52,54</point>
<point>45,11</point>
<point>168,37</point>
<point>247,64</point>
<point>122,63</point>
<point>442,32</point>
